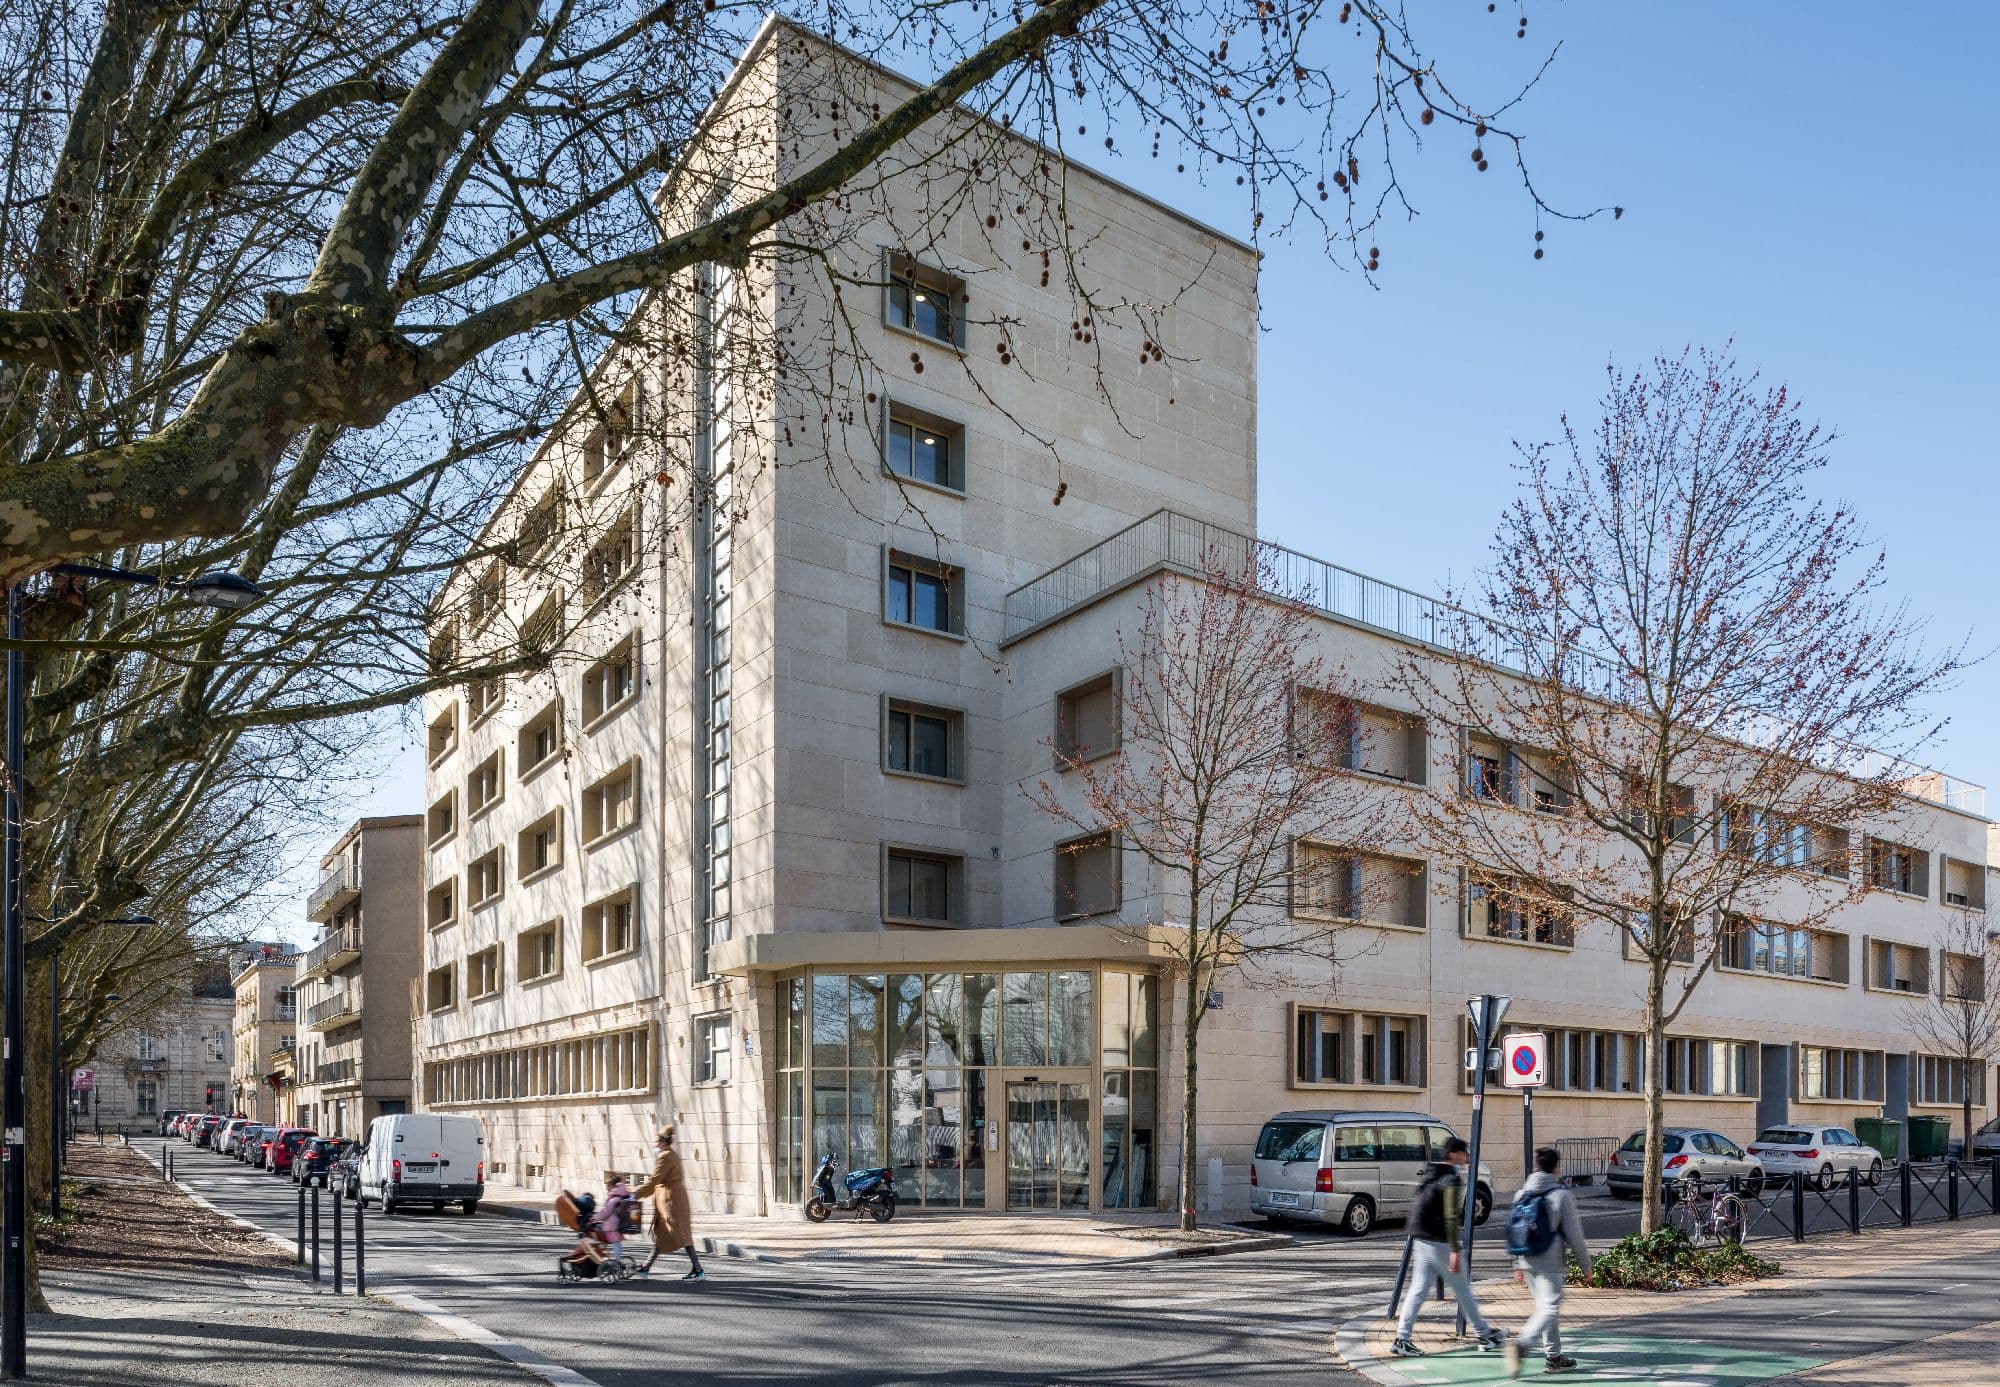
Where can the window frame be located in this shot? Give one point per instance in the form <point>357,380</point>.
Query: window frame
<point>898,413</point>
<point>625,650</point>
<point>496,762</point>
<point>449,972</point>
<point>546,929</point>
<point>1067,851</point>
<point>622,534</point>
<point>706,1072</point>
<point>497,855</point>
<point>951,575</point>
<point>954,734</point>
<point>593,798</point>
<point>477,712</point>
<point>474,966</point>
<point>1470,879</point>
<point>529,834</point>
<point>629,895</point>
<point>550,714</point>
<point>899,269</point>
<point>1417,889</point>
<point>954,885</point>
<point>449,720</point>
<point>431,922</point>
<point>434,838</point>
<point>1063,741</point>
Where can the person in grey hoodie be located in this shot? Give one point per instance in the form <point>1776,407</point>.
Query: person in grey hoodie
<point>1547,1271</point>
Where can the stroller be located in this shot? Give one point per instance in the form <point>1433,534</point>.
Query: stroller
<point>590,1259</point>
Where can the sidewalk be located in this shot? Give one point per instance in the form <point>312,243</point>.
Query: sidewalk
<point>1757,1332</point>
<point>976,1239</point>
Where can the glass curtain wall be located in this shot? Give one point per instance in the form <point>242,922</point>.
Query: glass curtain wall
<point>899,1069</point>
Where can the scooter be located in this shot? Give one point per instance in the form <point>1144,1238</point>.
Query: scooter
<point>868,1191</point>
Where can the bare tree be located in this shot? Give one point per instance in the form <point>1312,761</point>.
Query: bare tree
<point>1235,747</point>
<point>1957,1021</point>
<point>1681,694</point>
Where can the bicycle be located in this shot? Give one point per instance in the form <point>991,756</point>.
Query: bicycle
<point>1703,1218</point>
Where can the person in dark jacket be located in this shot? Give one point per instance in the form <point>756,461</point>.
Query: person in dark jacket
<point>1435,1224</point>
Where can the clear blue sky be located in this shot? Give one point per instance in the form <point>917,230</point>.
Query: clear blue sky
<point>1816,184</point>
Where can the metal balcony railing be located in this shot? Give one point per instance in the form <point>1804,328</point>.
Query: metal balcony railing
<point>342,1007</point>
<point>338,1072</point>
<point>1167,541</point>
<point>338,887</point>
<point>338,949</point>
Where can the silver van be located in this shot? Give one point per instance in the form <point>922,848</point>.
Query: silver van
<point>1350,1168</point>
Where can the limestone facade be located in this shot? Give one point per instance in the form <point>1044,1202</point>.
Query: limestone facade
<point>266,1023</point>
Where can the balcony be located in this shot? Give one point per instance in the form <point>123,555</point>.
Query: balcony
<point>340,886</point>
<point>338,1072</point>
<point>337,950</point>
<point>341,1009</point>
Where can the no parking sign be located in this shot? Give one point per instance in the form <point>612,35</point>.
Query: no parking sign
<point>1524,1060</point>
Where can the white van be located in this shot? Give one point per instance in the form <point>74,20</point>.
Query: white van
<point>423,1158</point>
<point>1350,1168</point>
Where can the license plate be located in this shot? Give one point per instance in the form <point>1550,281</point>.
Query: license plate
<point>1285,1201</point>
<point>420,1167</point>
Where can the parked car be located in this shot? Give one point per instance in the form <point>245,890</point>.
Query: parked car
<point>1706,1155</point>
<point>423,1158</point>
<point>1986,1141</point>
<point>260,1153</point>
<point>244,1139</point>
<point>227,1133</point>
<point>315,1161</point>
<point>205,1130</point>
<point>168,1119</point>
<point>1822,1156</point>
<point>345,1177</point>
<point>1350,1168</point>
<point>285,1146</point>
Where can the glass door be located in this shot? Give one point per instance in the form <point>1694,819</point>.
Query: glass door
<point>1048,1146</point>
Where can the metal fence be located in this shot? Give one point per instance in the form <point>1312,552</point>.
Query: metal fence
<point>1587,1159</point>
<point>1909,1193</point>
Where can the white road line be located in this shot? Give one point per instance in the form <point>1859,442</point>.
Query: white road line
<point>474,1332</point>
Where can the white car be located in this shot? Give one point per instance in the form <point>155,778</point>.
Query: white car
<point>1821,1156</point>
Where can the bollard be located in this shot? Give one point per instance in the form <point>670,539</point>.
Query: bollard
<point>360,1250</point>
<point>1402,1276</point>
<point>1951,1188</point>
<point>163,1161</point>
<point>302,1225</point>
<point>1853,1200</point>
<point>1798,1208</point>
<point>315,1204</point>
<point>336,1243</point>
<point>1903,1179</point>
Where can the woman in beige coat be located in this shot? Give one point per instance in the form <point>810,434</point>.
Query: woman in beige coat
<point>673,1222</point>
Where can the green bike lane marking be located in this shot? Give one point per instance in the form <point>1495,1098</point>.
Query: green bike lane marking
<point>1614,1359</point>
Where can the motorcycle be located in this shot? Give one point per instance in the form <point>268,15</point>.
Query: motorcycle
<point>867,1191</point>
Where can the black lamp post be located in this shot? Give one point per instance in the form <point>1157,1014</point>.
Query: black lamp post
<point>222,591</point>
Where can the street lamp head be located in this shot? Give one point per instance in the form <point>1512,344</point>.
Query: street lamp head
<point>139,921</point>
<point>224,591</point>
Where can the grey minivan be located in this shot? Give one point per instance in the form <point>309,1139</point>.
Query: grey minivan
<point>1350,1168</point>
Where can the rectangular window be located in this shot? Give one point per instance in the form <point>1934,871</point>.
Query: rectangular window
<point>1943,1082</point>
<point>924,449</point>
<point>539,848</point>
<point>1765,946</point>
<point>540,741</point>
<point>610,928</point>
<point>1895,867</point>
<point>482,973</point>
<point>612,558</point>
<point>1335,883</point>
<point>917,886</point>
<point>1483,771</point>
<point>1319,1055</point>
<point>1368,1049</point>
<point>538,952</point>
<point>1088,879</point>
<point>443,819</point>
<point>1964,884</point>
<point>711,1050</point>
<point>1848,1076</point>
<point>611,682</point>
<point>605,446</point>
<point>612,804</point>
<point>483,786</point>
<point>542,631</point>
<point>441,988</point>
<point>443,737</point>
<point>1088,719</point>
<point>924,594</point>
<point>1963,976</point>
<point>483,698</point>
<point>485,879</point>
<point>1388,743</point>
<point>442,904</point>
<point>917,740</point>
<point>1894,967</point>
<point>488,593</point>
<point>538,527</point>
<point>1502,908</point>
<point>442,653</point>
<point>923,300</point>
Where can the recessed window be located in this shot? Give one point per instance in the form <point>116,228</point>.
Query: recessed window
<point>540,847</point>
<point>1335,883</point>
<point>1784,951</point>
<point>483,698</point>
<point>442,821</point>
<point>612,681</point>
<point>921,740</point>
<point>489,592</point>
<point>1963,978</point>
<point>1964,884</point>
<point>924,301</point>
<point>924,594</point>
<point>1894,967</point>
<point>443,738</point>
<point>542,631</point>
<point>605,446</point>
<point>482,973</point>
<point>1087,719</point>
<point>611,560</point>
<point>441,904</point>
<point>443,651</point>
<point>1496,907</point>
<point>711,1049</point>
<point>610,928</point>
<point>483,786</point>
<point>1360,737</point>
<point>611,805</point>
<point>1848,1076</point>
<point>441,988</point>
<point>1365,1049</point>
<point>918,886</point>
<point>485,879</point>
<point>924,448</point>
<point>538,952</point>
<point>540,742</point>
<point>538,527</point>
<point>1088,880</point>
<point>1899,868</point>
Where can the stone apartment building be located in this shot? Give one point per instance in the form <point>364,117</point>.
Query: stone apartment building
<point>753,857</point>
<point>351,1054</point>
<point>266,1024</point>
<point>180,1061</point>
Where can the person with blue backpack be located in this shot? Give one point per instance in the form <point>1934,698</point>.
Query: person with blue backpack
<point>1544,1230</point>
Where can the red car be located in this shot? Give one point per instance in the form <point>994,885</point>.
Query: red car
<point>284,1146</point>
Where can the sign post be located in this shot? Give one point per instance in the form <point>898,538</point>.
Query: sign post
<point>1525,1065</point>
<point>1486,1011</point>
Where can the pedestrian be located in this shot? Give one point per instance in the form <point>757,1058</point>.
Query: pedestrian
<point>672,1220</point>
<point>1435,1221</point>
<point>611,1214</point>
<point>1544,1231</point>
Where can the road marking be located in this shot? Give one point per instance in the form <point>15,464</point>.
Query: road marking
<point>474,1332</point>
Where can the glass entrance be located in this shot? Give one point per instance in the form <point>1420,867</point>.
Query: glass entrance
<point>1048,1146</point>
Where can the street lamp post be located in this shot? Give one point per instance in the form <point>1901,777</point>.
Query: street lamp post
<point>221,591</point>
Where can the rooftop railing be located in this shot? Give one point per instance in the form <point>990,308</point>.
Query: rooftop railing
<point>1169,541</point>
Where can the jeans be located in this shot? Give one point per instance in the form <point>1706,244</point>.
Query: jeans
<point>1547,1289</point>
<point>1429,1261</point>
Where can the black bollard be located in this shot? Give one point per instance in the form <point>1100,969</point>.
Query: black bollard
<point>315,1204</point>
<point>336,1243</point>
<point>302,1225</point>
<point>360,1250</point>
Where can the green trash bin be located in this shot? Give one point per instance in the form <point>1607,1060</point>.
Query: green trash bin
<point>1885,1134</point>
<point>1929,1137</point>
